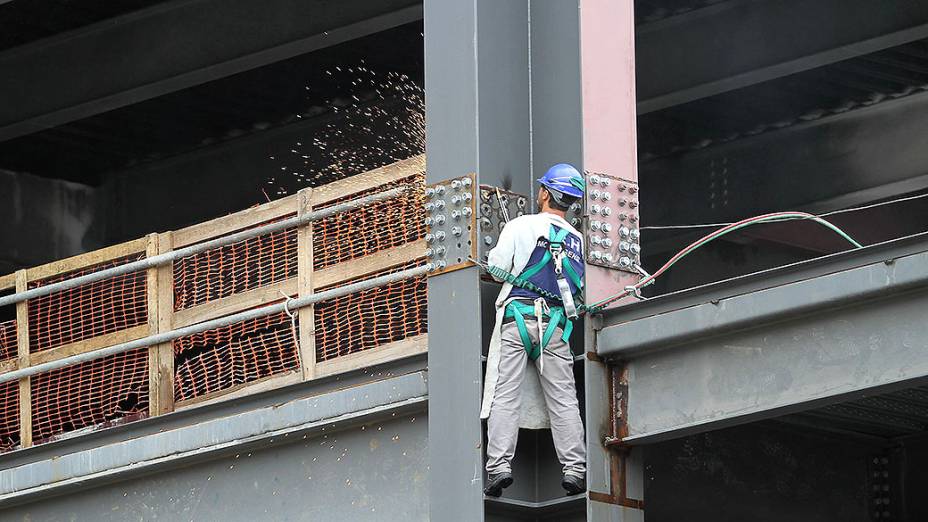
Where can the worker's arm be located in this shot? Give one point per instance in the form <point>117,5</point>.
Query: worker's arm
<point>501,256</point>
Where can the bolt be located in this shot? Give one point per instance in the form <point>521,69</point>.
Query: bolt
<point>456,231</point>
<point>632,189</point>
<point>622,217</point>
<point>607,257</point>
<point>625,262</point>
<point>623,232</point>
<point>429,252</point>
<point>575,207</point>
<point>428,221</point>
<point>633,218</point>
<point>439,190</point>
<point>486,209</point>
<point>486,224</point>
<point>623,187</point>
<point>429,238</point>
<point>429,192</point>
<point>634,234</point>
<point>604,182</point>
<point>456,184</point>
<point>466,197</point>
<point>632,204</point>
<point>440,219</point>
<point>595,194</point>
<point>596,255</point>
<point>440,235</point>
<point>622,202</point>
<point>596,240</point>
<point>455,200</point>
<point>607,228</point>
<point>466,211</point>
<point>520,202</point>
<point>606,211</point>
<point>466,182</point>
<point>606,196</point>
<point>440,264</point>
<point>440,204</point>
<point>607,243</point>
<point>636,250</point>
<point>488,240</point>
<point>594,209</point>
<point>440,250</point>
<point>575,222</point>
<point>595,225</point>
<point>456,215</point>
<point>594,179</point>
<point>429,206</point>
<point>624,246</point>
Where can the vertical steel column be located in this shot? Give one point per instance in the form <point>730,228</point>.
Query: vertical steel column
<point>477,120</point>
<point>607,71</point>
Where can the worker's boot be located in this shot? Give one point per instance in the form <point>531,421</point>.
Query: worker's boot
<point>573,484</point>
<point>497,483</point>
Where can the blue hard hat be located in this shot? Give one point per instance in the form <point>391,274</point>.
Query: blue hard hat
<point>564,178</point>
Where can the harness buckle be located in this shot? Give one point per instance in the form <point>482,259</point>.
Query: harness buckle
<point>557,255</point>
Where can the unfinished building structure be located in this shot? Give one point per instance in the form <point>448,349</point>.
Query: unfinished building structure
<point>220,299</point>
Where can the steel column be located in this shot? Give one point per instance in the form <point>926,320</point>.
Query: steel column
<point>739,43</point>
<point>477,120</point>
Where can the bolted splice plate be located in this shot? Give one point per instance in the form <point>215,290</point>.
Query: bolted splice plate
<point>611,229</point>
<point>497,206</point>
<point>451,223</point>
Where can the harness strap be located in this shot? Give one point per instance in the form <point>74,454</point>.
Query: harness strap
<point>556,318</point>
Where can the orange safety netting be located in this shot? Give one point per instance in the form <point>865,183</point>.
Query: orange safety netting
<point>225,357</point>
<point>371,318</point>
<point>8,348</point>
<point>378,226</point>
<point>90,394</point>
<point>9,415</point>
<point>89,310</point>
<point>235,268</point>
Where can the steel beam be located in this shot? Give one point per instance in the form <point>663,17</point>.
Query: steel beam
<point>169,47</point>
<point>212,438</point>
<point>743,42</point>
<point>876,152</point>
<point>788,348</point>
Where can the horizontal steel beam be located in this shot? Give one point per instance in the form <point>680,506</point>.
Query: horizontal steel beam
<point>783,349</point>
<point>212,438</point>
<point>739,43</point>
<point>838,161</point>
<point>169,47</point>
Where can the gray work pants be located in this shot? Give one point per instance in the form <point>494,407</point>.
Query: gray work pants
<point>557,383</point>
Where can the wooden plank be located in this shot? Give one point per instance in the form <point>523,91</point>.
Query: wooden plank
<point>161,356</point>
<point>362,266</point>
<point>63,266</point>
<point>381,354</point>
<point>368,180</point>
<point>235,303</point>
<point>241,390</point>
<point>90,345</point>
<point>304,241</point>
<point>8,281</point>
<point>9,365</point>
<point>234,222</point>
<point>23,356</point>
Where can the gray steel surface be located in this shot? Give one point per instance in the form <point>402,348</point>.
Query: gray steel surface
<point>794,347</point>
<point>477,118</point>
<point>293,420</point>
<point>376,470</point>
<point>739,43</point>
<point>110,65</point>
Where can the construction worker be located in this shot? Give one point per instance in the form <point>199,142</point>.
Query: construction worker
<point>534,313</point>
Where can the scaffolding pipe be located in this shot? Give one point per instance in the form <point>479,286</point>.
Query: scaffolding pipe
<point>287,306</point>
<point>169,257</point>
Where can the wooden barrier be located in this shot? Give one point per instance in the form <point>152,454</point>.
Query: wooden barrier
<point>163,317</point>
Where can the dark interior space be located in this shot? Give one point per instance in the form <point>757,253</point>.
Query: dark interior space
<point>858,460</point>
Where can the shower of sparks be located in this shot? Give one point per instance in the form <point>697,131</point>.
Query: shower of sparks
<point>378,120</point>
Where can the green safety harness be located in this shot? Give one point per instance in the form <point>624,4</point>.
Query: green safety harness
<point>557,316</point>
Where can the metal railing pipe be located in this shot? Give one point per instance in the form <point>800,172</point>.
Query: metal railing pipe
<point>286,306</point>
<point>169,257</point>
